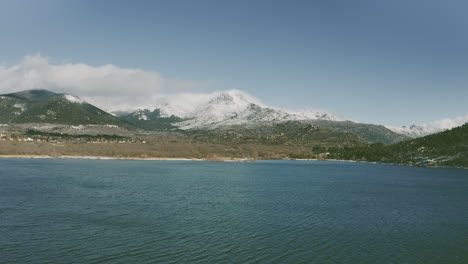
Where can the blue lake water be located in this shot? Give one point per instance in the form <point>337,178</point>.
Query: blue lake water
<point>97,211</point>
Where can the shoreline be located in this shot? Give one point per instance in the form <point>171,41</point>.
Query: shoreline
<point>117,158</point>
<point>217,159</point>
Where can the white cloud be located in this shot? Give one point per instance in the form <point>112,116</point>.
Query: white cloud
<point>446,123</point>
<point>113,88</point>
<point>430,127</point>
<point>108,86</point>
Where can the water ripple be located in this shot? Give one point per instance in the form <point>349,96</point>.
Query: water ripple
<point>263,212</point>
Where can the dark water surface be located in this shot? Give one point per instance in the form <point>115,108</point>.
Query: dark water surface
<point>95,211</point>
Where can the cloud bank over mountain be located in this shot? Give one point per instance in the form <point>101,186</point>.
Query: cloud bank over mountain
<point>447,123</point>
<point>430,127</point>
<point>113,88</point>
<point>110,87</point>
<point>107,86</point>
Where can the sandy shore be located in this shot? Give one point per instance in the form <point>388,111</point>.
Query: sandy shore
<point>117,158</point>
<point>219,159</point>
<point>225,159</point>
<point>87,157</point>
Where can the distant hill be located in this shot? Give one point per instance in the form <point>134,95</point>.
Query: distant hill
<point>151,120</point>
<point>448,148</point>
<point>415,131</point>
<point>42,106</point>
<point>290,133</point>
<point>368,132</point>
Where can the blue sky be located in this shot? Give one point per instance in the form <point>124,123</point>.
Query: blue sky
<point>388,62</point>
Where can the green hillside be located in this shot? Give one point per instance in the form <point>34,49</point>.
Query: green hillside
<point>370,133</point>
<point>42,106</point>
<point>289,133</point>
<point>448,148</point>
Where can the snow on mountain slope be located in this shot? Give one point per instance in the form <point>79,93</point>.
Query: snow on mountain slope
<point>140,114</point>
<point>314,115</point>
<point>191,105</point>
<point>414,131</point>
<point>73,99</point>
<point>232,107</point>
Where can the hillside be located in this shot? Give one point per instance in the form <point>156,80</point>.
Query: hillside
<point>290,133</point>
<point>151,120</point>
<point>42,106</point>
<point>369,132</point>
<point>448,148</point>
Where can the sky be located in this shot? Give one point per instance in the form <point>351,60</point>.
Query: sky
<point>398,62</point>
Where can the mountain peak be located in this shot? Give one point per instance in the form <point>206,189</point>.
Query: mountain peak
<point>32,94</point>
<point>222,98</point>
<point>232,97</point>
<point>230,107</point>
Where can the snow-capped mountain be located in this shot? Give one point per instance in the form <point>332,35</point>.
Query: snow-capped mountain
<point>232,107</point>
<point>414,131</point>
<point>140,114</point>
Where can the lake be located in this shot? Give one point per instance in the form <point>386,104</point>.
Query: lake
<point>116,211</point>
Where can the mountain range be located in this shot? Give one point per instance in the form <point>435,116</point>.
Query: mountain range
<point>225,108</point>
<point>221,111</point>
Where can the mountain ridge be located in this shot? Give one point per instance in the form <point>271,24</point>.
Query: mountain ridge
<point>225,109</point>
<point>446,148</point>
<point>39,105</point>
<point>415,131</point>
<point>233,107</point>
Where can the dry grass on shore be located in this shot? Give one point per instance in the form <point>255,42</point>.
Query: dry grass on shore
<point>213,152</point>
